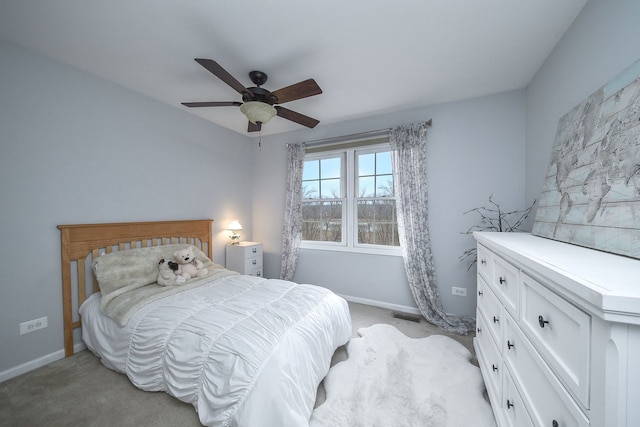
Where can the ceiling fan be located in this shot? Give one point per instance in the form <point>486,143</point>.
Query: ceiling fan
<point>258,104</point>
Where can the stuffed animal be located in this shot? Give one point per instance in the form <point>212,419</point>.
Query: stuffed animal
<point>189,264</point>
<point>169,273</point>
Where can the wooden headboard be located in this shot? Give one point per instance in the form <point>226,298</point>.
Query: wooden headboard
<point>81,243</point>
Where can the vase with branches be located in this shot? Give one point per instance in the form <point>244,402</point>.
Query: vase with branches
<point>494,218</point>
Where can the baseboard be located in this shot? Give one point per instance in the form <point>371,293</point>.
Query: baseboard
<point>37,363</point>
<point>381,304</point>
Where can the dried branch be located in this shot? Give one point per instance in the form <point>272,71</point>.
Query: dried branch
<point>492,218</point>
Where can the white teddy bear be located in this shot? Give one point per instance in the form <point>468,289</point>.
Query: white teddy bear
<point>190,266</point>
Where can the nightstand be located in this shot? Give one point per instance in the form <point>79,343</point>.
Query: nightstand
<point>245,258</point>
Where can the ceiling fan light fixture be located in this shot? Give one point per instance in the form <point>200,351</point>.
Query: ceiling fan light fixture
<point>258,112</point>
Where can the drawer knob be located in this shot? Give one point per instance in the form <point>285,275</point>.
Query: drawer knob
<point>479,293</point>
<point>509,404</point>
<point>502,280</point>
<point>541,321</point>
<point>494,368</point>
<point>479,330</point>
<point>255,262</point>
<point>254,250</point>
<point>495,319</point>
<point>483,261</point>
<point>510,345</point>
<point>554,423</point>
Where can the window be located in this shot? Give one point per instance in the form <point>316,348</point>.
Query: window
<point>323,201</point>
<point>348,201</point>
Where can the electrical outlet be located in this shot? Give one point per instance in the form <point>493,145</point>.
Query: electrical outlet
<point>33,325</point>
<point>461,292</point>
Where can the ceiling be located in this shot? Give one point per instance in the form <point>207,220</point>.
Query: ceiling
<point>368,56</point>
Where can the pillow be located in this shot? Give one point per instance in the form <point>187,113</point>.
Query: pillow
<point>123,271</point>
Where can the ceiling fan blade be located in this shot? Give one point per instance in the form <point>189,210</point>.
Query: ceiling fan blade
<point>214,68</point>
<point>253,127</point>
<point>296,117</point>
<point>299,90</point>
<point>212,104</point>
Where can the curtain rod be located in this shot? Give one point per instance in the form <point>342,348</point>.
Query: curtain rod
<point>354,135</point>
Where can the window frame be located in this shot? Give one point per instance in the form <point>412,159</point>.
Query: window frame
<point>343,190</point>
<point>349,170</point>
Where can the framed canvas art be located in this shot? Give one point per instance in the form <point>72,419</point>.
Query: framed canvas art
<point>591,193</point>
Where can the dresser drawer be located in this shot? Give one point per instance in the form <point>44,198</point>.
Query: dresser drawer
<point>484,263</point>
<point>489,360</point>
<point>548,400</point>
<point>247,249</point>
<point>512,405</point>
<point>561,333</point>
<point>491,309</point>
<point>253,265</point>
<point>506,284</point>
<point>254,272</point>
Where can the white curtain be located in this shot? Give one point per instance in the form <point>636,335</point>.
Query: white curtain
<point>292,229</point>
<point>408,147</point>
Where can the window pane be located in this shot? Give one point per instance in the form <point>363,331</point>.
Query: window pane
<point>384,186</point>
<point>366,164</point>
<point>311,190</point>
<point>375,177</point>
<point>330,168</point>
<point>383,163</point>
<point>311,170</point>
<point>322,221</point>
<point>366,186</point>
<point>377,223</point>
<point>330,189</point>
<point>321,179</point>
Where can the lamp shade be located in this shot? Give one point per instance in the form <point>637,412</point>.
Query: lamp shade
<point>258,112</point>
<point>234,226</point>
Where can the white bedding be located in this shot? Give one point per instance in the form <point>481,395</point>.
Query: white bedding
<point>245,351</point>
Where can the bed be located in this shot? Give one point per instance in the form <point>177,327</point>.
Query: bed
<point>243,350</point>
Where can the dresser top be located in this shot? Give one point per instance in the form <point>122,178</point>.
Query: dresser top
<point>245,243</point>
<point>608,283</point>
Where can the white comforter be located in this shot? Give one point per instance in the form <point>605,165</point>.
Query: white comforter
<point>245,351</point>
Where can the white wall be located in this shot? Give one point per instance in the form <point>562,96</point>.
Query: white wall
<point>602,42</point>
<point>77,149</point>
<point>475,148</point>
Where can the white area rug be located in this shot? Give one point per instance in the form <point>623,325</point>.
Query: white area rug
<point>390,380</point>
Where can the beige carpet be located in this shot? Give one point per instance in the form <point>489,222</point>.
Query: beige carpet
<point>79,391</point>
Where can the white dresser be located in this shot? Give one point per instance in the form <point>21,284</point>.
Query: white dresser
<point>245,258</point>
<point>558,332</point>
